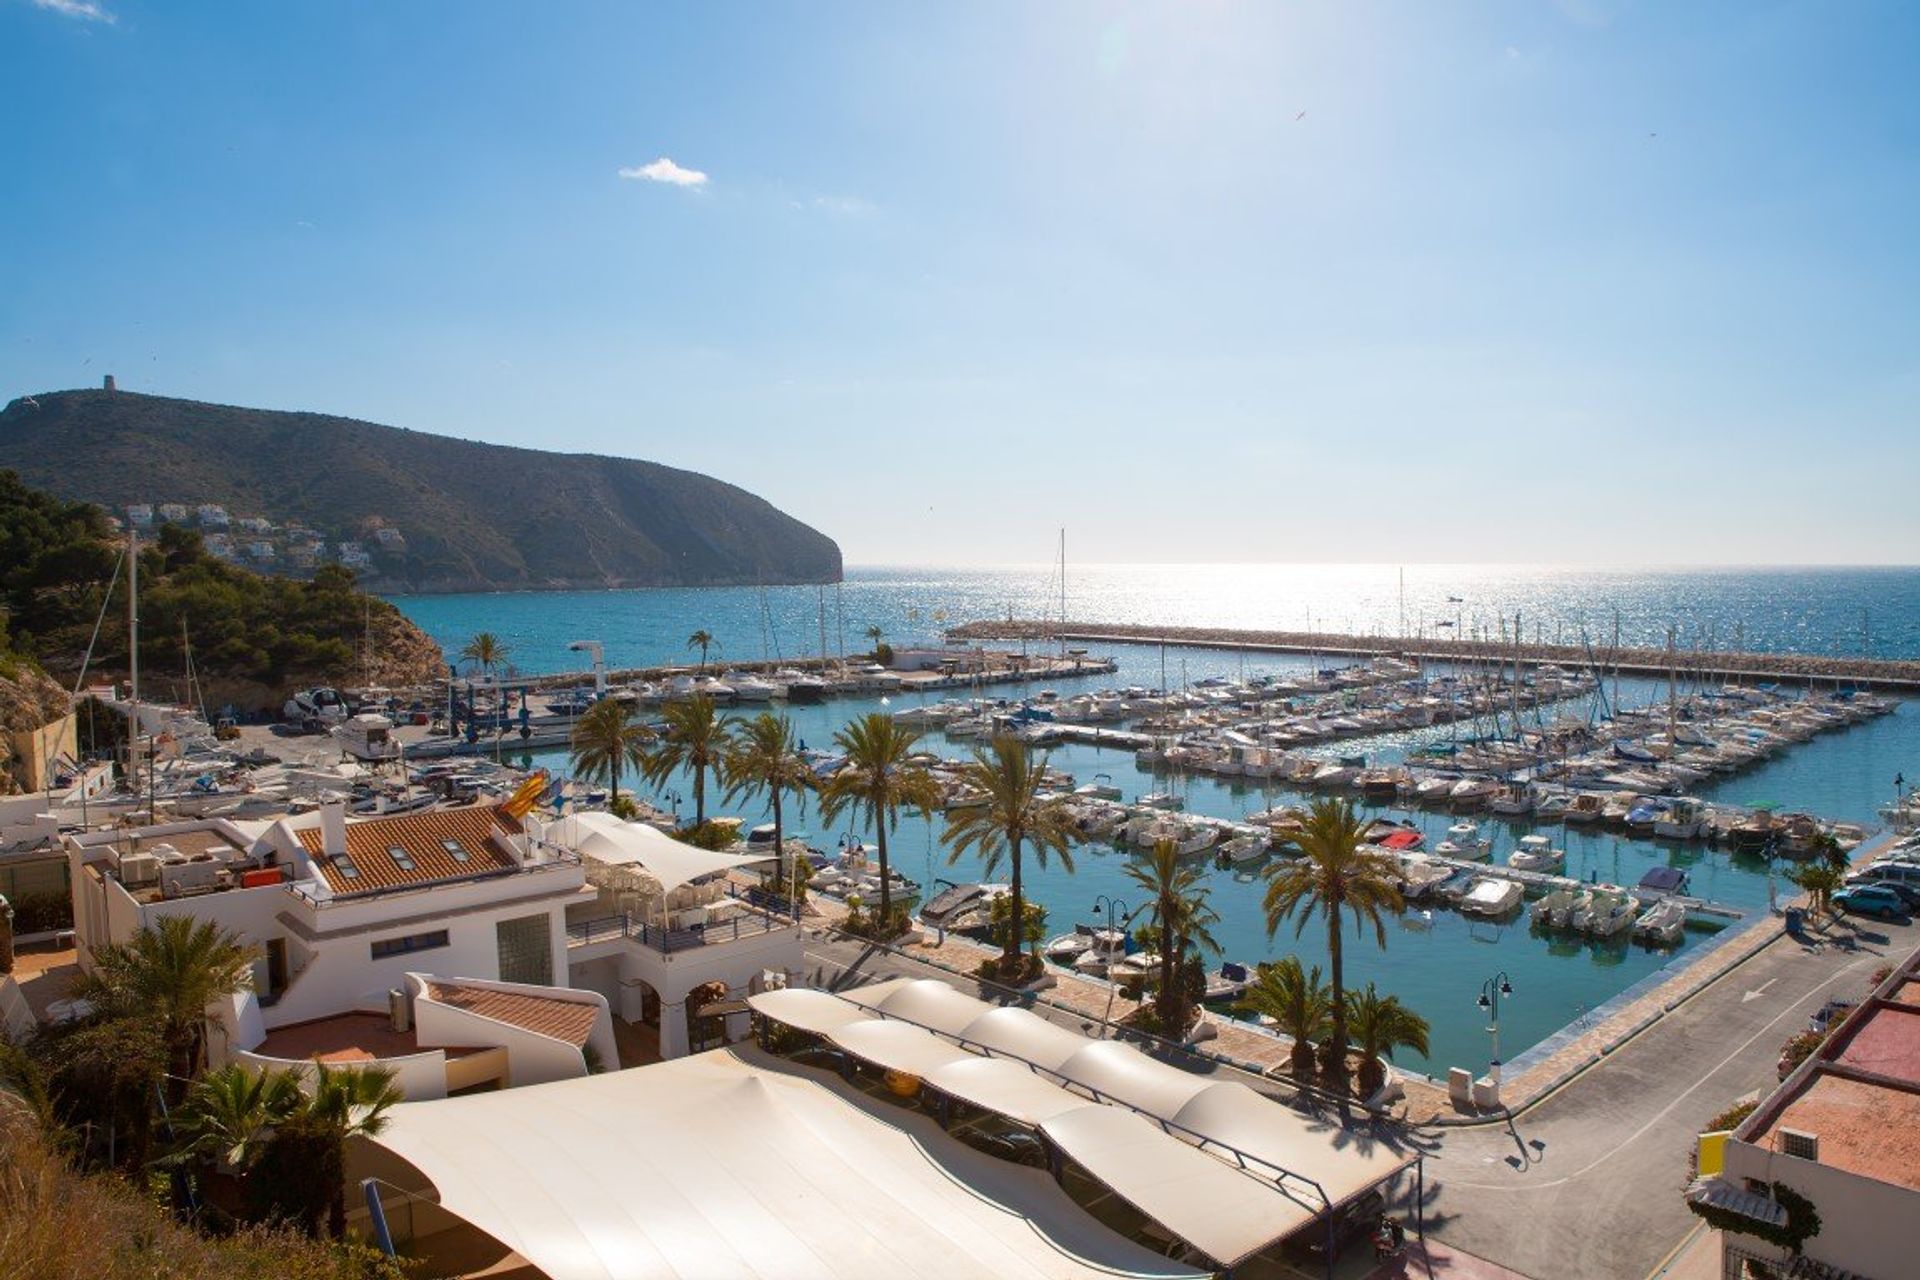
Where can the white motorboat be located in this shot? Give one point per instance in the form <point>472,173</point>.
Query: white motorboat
<point>1608,911</point>
<point>1558,909</point>
<point>961,906</point>
<point>1663,923</point>
<point>367,736</point>
<point>1682,819</point>
<point>1464,841</point>
<point>1492,897</point>
<point>1471,793</point>
<point>1140,964</point>
<point>1512,801</point>
<point>1086,940</point>
<point>1160,800</point>
<point>751,688</point>
<point>1536,853</point>
<point>1229,982</point>
<point>1586,808</point>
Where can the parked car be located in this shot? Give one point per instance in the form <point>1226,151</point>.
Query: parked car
<point>1907,893</point>
<point>1869,900</point>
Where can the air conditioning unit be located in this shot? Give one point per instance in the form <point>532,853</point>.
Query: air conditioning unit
<point>139,869</point>
<point>1799,1144</point>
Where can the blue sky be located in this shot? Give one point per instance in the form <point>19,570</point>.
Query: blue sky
<point>1586,281</point>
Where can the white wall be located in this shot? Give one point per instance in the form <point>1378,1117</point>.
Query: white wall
<point>532,1058</point>
<point>16,1015</point>
<point>1865,1225</point>
<point>422,1077</point>
<point>736,963</point>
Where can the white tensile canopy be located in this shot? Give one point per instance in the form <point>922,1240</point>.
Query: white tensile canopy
<point>1211,1205</point>
<point>805,1009</point>
<point>607,840</point>
<point>1121,1071</point>
<point>1026,1035</point>
<point>1005,1088</point>
<point>925,1002</point>
<point>1144,1162</point>
<point>727,1164</point>
<point>1230,1113</point>
<point>897,1046</point>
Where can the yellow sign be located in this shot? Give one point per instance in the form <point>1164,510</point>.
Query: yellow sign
<point>1713,1153</point>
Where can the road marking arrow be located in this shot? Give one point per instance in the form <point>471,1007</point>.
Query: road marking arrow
<point>1758,991</point>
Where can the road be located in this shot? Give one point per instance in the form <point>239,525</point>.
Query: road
<point>1585,1184</point>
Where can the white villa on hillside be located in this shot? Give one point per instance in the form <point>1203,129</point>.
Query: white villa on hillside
<point>468,947</point>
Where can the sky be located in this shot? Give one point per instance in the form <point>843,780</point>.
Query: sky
<point>1588,281</point>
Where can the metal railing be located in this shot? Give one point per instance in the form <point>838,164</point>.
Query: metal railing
<point>752,921</point>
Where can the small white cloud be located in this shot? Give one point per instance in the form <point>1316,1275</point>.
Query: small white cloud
<point>85,10</point>
<point>665,170</point>
<point>1512,52</point>
<point>845,206</point>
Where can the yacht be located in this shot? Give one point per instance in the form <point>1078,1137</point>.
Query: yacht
<point>748,687</point>
<point>1682,819</point>
<point>1086,940</point>
<point>1558,909</point>
<point>1536,853</point>
<point>961,906</point>
<point>1586,808</point>
<point>1608,910</point>
<point>368,736</point>
<point>1471,793</point>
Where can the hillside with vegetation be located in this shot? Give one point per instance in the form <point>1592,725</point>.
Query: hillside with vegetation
<point>250,637</point>
<point>462,515</point>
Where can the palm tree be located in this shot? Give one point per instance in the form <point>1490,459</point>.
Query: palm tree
<point>879,781</point>
<point>1382,1024</point>
<point>875,635</point>
<point>485,651</point>
<point>1014,817</point>
<point>231,1112</point>
<point>695,739</point>
<point>1296,1000</point>
<point>345,1103</point>
<point>606,739</point>
<point>763,757</point>
<point>169,972</point>
<point>1178,892</point>
<point>702,640</point>
<point>1334,875</point>
<point>1821,880</point>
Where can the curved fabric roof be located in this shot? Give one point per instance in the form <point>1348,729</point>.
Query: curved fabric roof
<point>726,1164</point>
<point>808,1010</point>
<point>1006,1088</point>
<point>926,1002</point>
<point>1211,1205</point>
<point>607,839</point>
<point>1230,1113</point>
<point>1025,1034</point>
<point>1122,1071</point>
<point>897,1046</point>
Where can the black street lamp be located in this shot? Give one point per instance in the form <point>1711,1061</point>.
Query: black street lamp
<point>1120,920</point>
<point>1490,992</point>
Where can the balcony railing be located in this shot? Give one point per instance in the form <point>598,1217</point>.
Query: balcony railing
<point>764,914</point>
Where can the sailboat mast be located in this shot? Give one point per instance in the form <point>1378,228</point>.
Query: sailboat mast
<point>1063,592</point>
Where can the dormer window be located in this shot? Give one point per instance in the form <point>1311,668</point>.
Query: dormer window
<point>455,850</point>
<point>343,863</point>
<point>401,858</point>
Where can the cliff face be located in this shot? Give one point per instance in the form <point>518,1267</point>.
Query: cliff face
<point>431,513</point>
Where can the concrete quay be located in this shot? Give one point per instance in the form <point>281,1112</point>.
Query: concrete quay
<point>1887,675</point>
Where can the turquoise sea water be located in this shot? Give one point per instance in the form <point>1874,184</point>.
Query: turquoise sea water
<point>1435,963</point>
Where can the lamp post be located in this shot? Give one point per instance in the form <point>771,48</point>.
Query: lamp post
<point>1490,992</point>
<point>1122,919</point>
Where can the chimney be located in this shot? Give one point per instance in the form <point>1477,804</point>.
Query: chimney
<point>333,828</point>
<point>108,384</point>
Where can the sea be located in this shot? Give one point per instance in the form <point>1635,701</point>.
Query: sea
<point>1435,961</point>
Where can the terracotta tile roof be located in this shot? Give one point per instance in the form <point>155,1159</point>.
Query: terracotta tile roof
<point>423,843</point>
<point>568,1020</point>
<point>1886,1042</point>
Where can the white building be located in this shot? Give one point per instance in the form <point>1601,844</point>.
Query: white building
<point>140,515</point>
<point>354,555</point>
<point>254,524</point>
<point>365,928</point>
<point>262,550</point>
<point>1841,1133</point>
<point>389,538</point>
<point>212,516</point>
<point>346,914</point>
<point>173,512</point>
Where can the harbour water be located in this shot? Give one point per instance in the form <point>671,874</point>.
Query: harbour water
<point>1434,961</point>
